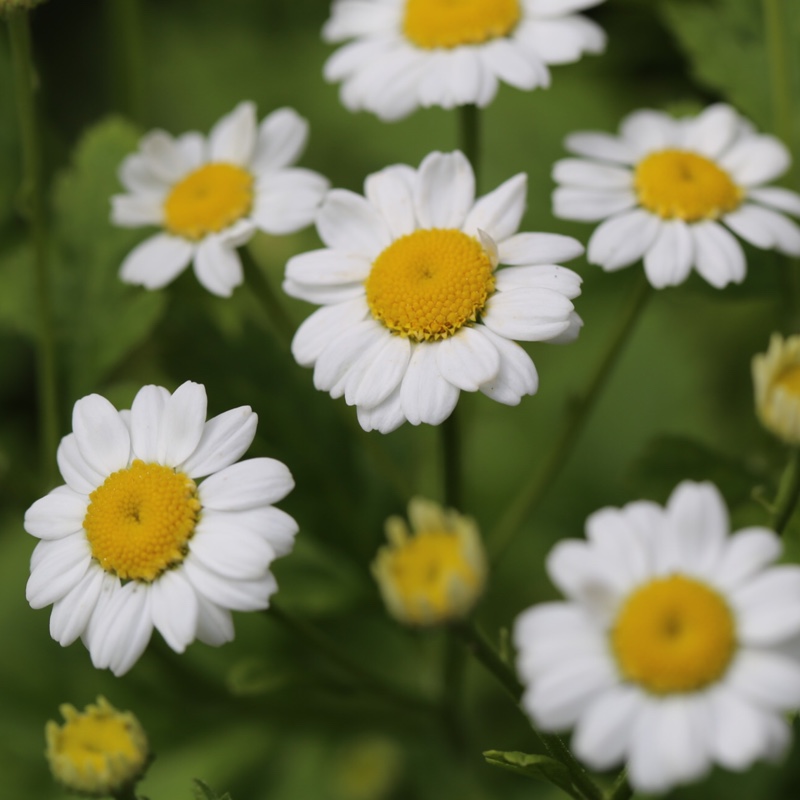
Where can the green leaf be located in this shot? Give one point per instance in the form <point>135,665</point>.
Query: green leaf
<point>541,768</point>
<point>100,320</point>
<point>202,791</point>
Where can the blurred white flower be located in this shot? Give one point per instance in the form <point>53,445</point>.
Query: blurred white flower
<point>414,308</point>
<point>677,645</point>
<point>132,541</point>
<point>211,194</point>
<point>668,191</point>
<point>408,54</point>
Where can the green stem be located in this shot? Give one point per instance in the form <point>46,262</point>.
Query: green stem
<point>788,492</point>
<point>34,209</point>
<point>469,128</point>
<point>452,685</point>
<point>451,460</point>
<point>321,643</point>
<point>621,790</point>
<point>130,62</point>
<point>536,488</point>
<point>262,290</point>
<point>483,651</point>
<point>777,27</point>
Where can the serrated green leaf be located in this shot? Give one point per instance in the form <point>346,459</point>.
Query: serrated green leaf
<point>541,768</point>
<point>202,791</point>
<point>99,318</point>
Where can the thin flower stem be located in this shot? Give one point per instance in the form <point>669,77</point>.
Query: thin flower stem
<point>126,34</point>
<point>788,492</point>
<point>34,209</point>
<point>452,686</point>
<point>777,27</point>
<point>621,789</point>
<point>484,652</point>
<point>526,501</point>
<point>470,136</point>
<point>322,644</point>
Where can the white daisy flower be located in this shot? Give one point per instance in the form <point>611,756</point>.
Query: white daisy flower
<point>211,194</point>
<point>412,53</point>
<point>676,647</point>
<point>414,311</point>
<point>132,541</point>
<point>671,191</point>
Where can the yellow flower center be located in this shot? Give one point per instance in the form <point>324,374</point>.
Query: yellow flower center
<point>430,283</point>
<point>140,520</point>
<point>450,23</point>
<point>674,635</point>
<point>789,380</point>
<point>98,751</point>
<point>207,200</point>
<point>677,184</point>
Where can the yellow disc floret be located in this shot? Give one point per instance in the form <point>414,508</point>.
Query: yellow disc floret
<point>140,520</point>
<point>99,751</point>
<point>208,200</point>
<point>450,23</point>
<point>677,184</point>
<point>674,634</point>
<point>430,283</point>
<point>435,575</point>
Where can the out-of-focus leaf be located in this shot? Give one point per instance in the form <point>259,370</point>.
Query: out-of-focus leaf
<point>17,300</point>
<point>256,676</point>
<point>202,791</point>
<point>541,768</point>
<point>100,319</point>
<point>9,142</point>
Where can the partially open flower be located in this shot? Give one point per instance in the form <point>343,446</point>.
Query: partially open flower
<point>435,574</point>
<point>776,379</point>
<point>98,751</point>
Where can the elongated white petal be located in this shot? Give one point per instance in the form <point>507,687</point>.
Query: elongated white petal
<point>352,225</point>
<point>224,440</point>
<point>233,138</point>
<point>218,267</point>
<point>499,213</point>
<point>468,359</point>
<point>445,190</point>
<point>147,413</point>
<point>157,261</point>
<point>183,420</point>
<point>77,473</point>
<point>516,376</point>
<point>718,256</point>
<point>57,514</point>
<point>251,483</point>
<point>101,435</point>
<point>174,608</point>
<point>538,248</point>
<point>426,396</point>
<point>281,139</point>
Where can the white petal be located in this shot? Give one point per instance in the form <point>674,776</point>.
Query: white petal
<point>756,159</point>
<point>147,411</point>
<point>214,624</point>
<point>225,440</point>
<point>602,734</point>
<point>70,615</point>
<point>669,260</point>
<point>545,276</point>
<point>777,197</point>
<point>383,374</point>
<point>768,606</point>
<point>282,137</point>
<point>538,248</point>
<point>499,213</point>
<point>233,138</point>
<point>648,130</point>
<point>623,239</point>
<point>426,396</point>
<point>79,476</point>
<point>719,257</point>
<point>445,190</point>
<point>156,261</point>
<point>514,65</point>
<point>391,191</point>
<point>384,417</point>
<point>251,483</point>
<point>174,608</point>
<point>163,157</point>
<point>766,679</point>
<point>183,420</point>
<point>316,332</point>
<point>193,149</point>
<point>287,201</point>
<point>327,267</point>
<point>603,146</point>
<point>60,566</point>
<point>101,435</point>
<point>123,629</point>
<point>590,205</point>
<point>131,211</point>
<point>343,353</point>
<point>230,552</point>
<point>590,175</point>
<point>570,333</point>
<point>557,8</point>
<point>747,552</point>
<point>563,41</point>
<point>527,314</point>
<point>137,177</point>
<point>351,224</point>
<point>468,359</point>
<point>57,514</point>
<point>217,267</point>
<point>274,526</point>
<point>517,375</point>
<point>765,228</point>
<point>238,595</point>
<point>712,130</point>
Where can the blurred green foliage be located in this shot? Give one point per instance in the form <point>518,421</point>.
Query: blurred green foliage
<point>267,717</point>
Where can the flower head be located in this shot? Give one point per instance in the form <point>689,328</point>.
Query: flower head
<point>676,647</point>
<point>134,541</point>
<point>98,751</point>
<point>209,195</point>
<point>776,379</point>
<point>434,574</point>
<point>411,53</point>
<point>671,191</point>
<point>415,309</point>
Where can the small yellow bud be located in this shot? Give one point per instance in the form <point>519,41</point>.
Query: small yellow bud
<point>98,751</point>
<point>776,380</point>
<point>436,574</point>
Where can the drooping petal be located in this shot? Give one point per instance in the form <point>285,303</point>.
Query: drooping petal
<point>157,261</point>
<point>218,267</point>
<point>426,396</point>
<point>175,609</point>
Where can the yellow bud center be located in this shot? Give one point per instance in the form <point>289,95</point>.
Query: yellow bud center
<point>789,380</point>
<point>98,751</point>
<point>140,520</point>
<point>450,23</point>
<point>208,200</point>
<point>430,283</point>
<point>677,184</point>
<point>674,635</point>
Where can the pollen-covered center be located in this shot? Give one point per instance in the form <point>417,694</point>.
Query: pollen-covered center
<point>430,283</point>
<point>424,568</point>
<point>674,635</point>
<point>207,200</point>
<point>677,184</point>
<point>91,741</point>
<point>450,23</point>
<point>140,520</point>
